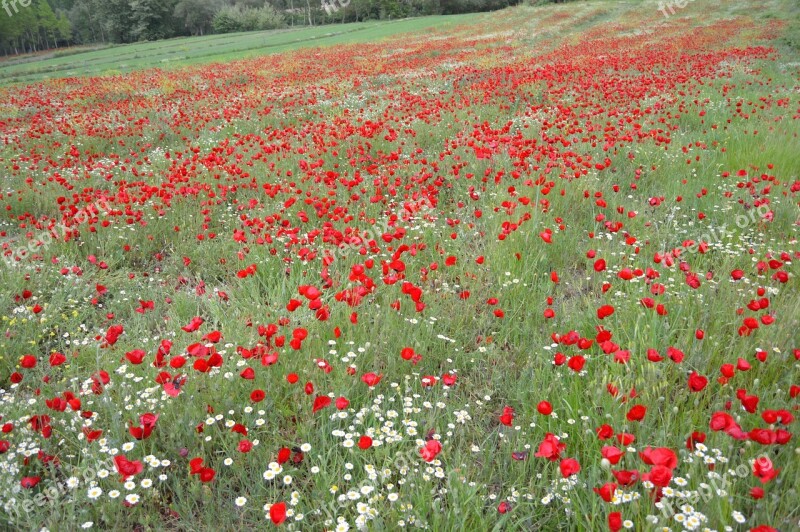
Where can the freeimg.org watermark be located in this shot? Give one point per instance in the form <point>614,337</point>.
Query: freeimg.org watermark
<point>19,506</point>
<point>12,6</point>
<point>668,8</point>
<point>14,250</point>
<point>332,6</point>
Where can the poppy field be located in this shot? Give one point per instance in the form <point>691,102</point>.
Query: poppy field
<point>533,271</point>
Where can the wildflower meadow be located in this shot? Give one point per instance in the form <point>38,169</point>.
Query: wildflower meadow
<point>536,269</point>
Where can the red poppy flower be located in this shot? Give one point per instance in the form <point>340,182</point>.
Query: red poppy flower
<point>606,491</point>
<point>604,432</point>
<point>320,402</point>
<point>625,477</point>
<point>277,513</point>
<point>113,334</point>
<point>569,467</point>
<point>764,470</point>
<point>659,476</point>
<point>371,379</point>
<point>173,387</point>
<point>696,437</point>
<point>614,521</point>
<point>605,311</point>
<point>625,439</point>
<point>544,408</point>
<point>342,403</point>
<point>676,355</point>
<point>576,363</point>
<point>612,454</point>
<point>697,382</point>
<point>636,413</point>
<point>257,396</point>
<point>507,417</point>
<point>29,482</point>
<point>136,356</point>
<point>207,474</point>
<point>284,454</point>
<point>193,324</point>
<point>127,468</point>
<point>662,456</point>
<point>430,450</point>
<point>550,448</point>
<point>146,424</point>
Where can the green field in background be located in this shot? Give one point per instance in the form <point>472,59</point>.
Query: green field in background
<point>183,51</point>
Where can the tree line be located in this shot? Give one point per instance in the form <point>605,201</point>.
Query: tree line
<point>34,25</point>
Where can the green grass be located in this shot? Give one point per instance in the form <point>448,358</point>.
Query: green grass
<point>175,53</point>
<point>499,362</point>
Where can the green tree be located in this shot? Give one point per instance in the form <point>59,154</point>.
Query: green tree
<point>197,16</point>
<point>152,19</point>
<point>63,28</point>
<point>88,24</point>
<point>117,18</point>
<point>238,18</point>
<point>227,20</point>
<point>46,24</point>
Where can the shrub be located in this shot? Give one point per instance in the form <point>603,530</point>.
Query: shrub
<point>236,18</point>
